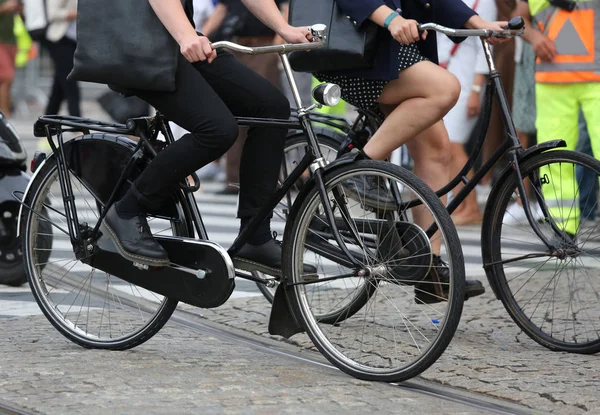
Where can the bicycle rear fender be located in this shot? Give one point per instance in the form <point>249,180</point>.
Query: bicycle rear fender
<point>98,160</point>
<point>508,170</point>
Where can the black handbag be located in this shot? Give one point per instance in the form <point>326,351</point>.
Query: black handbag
<point>123,43</point>
<point>348,47</point>
<point>122,108</point>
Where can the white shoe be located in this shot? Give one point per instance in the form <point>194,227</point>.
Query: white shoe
<point>483,192</point>
<point>515,214</point>
<point>209,172</point>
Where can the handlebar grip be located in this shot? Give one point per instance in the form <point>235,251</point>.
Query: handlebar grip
<point>516,23</point>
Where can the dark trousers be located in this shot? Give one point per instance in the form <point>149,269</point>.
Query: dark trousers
<point>61,53</point>
<point>266,66</point>
<point>205,101</point>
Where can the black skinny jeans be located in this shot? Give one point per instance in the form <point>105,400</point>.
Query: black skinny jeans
<point>61,53</point>
<point>205,101</point>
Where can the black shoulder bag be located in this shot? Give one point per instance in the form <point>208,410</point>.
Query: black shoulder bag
<point>348,46</point>
<point>123,43</point>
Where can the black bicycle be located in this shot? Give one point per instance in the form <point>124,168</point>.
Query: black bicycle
<point>540,249</point>
<point>376,308</point>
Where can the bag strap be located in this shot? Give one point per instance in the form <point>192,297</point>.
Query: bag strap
<point>456,45</point>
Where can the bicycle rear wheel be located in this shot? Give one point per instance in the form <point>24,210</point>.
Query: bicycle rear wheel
<point>552,295</point>
<point>391,334</point>
<point>90,307</point>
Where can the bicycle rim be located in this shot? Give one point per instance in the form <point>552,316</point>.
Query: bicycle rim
<point>90,307</point>
<point>552,296</point>
<point>388,335</point>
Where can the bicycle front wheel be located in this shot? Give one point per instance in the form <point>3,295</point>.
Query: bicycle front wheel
<point>552,294</point>
<point>408,317</point>
<point>88,306</point>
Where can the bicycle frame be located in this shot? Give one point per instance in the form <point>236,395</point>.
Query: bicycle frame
<point>511,147</point>
<point>147,130</point>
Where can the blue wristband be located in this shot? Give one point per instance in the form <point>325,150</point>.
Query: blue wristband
<point>389,19</point>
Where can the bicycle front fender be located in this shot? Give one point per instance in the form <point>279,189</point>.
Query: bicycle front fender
<point>540,148</point>
<point>526,155</point>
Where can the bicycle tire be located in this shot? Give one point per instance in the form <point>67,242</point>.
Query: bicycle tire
<point>505,282</point>
<point>333,350</point>
<point>36,199</point>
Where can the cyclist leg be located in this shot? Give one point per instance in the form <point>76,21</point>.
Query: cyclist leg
<point>195,106</point>
<point>420,97</point>
<point>430,150</point>
<point>415,104</point>
<point>247,94</point>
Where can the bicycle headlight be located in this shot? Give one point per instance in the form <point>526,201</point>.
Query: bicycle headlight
<point>327,94</point>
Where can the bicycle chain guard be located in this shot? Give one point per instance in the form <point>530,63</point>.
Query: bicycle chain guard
<point>201,272</point>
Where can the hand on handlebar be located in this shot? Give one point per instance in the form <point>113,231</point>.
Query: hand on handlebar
<point>197,48</point>
<point>406,31</point>
<point>476,22</point>
<point>293,34</point>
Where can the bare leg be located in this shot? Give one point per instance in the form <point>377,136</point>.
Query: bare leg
<point>430,151</point>
<point>415,103</point>
<point>419,98</point>
<point>468,211</point>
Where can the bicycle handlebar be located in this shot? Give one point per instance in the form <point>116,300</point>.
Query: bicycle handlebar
<point>284,48</point>
<point>514,28</point>
<point>318,32</point>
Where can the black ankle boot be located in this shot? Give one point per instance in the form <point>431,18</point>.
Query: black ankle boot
<point>435,288</point>
<point>266,258</point>
<point>133,239</point>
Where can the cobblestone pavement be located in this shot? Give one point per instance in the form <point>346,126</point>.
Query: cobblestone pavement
<point>180,372</point>
<point>489,355</point>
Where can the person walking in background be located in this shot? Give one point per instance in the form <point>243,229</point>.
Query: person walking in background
<point>60,42</point>
<point>567,81</point>
<point>8,51</point>
<point>467,62</point>
<point>587,180</point>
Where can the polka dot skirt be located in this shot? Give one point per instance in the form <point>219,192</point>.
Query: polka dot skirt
<point>363,93</point>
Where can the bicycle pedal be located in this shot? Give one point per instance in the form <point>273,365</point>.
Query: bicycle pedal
<point>142,267</point>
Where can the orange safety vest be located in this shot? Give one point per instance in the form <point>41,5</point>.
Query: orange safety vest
<point>576,35</point>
